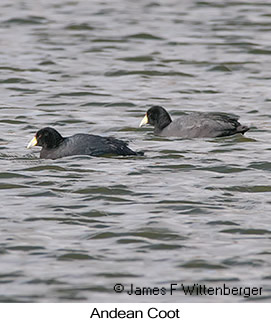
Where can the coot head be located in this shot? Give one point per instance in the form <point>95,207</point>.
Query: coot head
<point>46,138</point>
<point>156,116</point>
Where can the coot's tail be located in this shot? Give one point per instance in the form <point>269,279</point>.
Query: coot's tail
<point>139,153</point>
<point>128,152</point>
<point>242,129</point>
<point>119,147</point>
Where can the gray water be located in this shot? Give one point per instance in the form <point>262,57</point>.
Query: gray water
<point>189,211</point>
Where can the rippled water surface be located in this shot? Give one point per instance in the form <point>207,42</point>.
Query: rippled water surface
<point>189,211</point>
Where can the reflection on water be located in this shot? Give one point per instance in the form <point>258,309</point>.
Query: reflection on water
<point>189,211</point>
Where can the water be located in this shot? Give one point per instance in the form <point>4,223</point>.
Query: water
<point>189,211</point>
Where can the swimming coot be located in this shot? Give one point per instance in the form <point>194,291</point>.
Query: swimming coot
<point>192,125</point>
<point>55,146</point>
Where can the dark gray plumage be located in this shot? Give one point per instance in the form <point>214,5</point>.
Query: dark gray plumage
<point>192,125</point>
<point>55,146</point>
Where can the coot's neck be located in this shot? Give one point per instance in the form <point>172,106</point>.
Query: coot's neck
<point>55,141</point>
<point>163,121</point>
<point>59,141</point>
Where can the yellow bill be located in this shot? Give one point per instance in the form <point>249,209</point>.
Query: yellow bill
<point>32,143</point>
<point>144,121</point>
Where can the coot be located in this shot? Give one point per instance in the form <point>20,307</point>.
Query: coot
<point>55,146</point>
<point>192,125</point>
